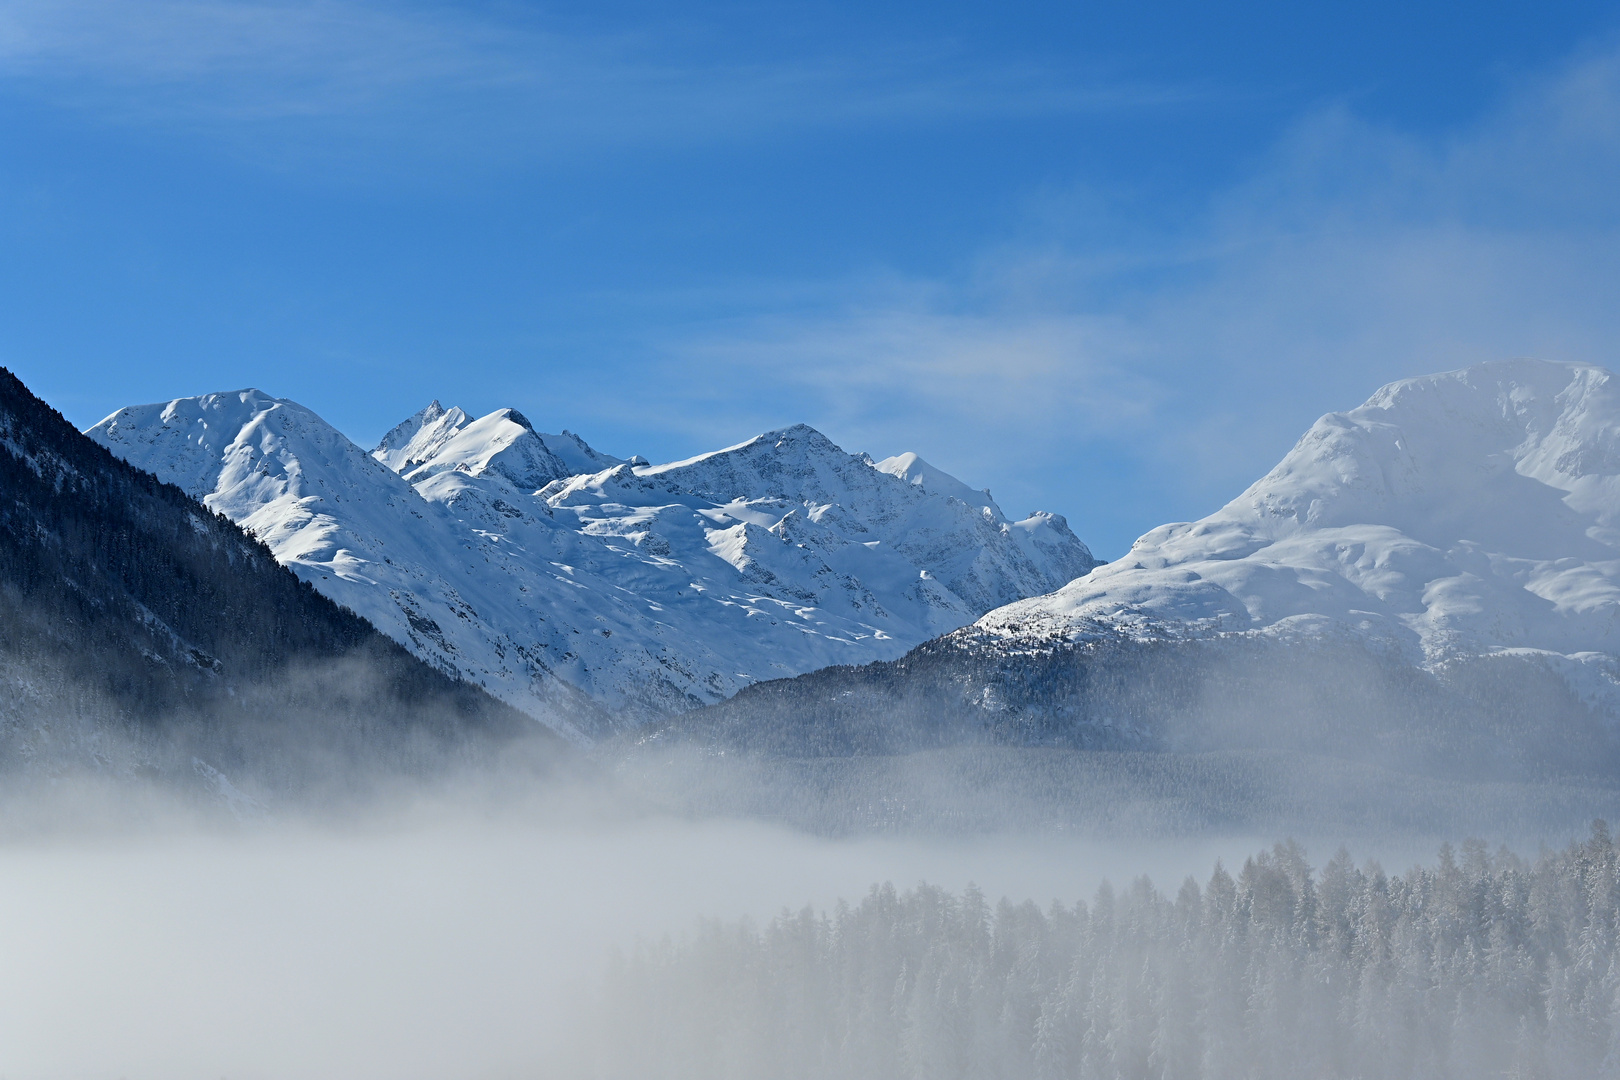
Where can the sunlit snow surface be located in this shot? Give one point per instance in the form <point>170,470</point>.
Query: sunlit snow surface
<point>1472,511</point>
<point>508,556</point>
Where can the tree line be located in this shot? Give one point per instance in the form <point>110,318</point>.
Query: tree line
<point>1483,964</point>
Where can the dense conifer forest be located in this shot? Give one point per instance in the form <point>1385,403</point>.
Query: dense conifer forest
<point>1483,964</point>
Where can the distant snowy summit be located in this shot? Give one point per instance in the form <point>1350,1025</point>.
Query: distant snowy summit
<point>1456,514</point>
<point>539,568</point>
<point>504,443</point>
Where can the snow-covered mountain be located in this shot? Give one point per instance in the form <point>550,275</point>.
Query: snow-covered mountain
<point>1465,513</point>
<point>537,567</point>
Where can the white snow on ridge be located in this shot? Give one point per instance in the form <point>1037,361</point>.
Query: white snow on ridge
<point>914,470</point>
<point>532,564</point>
<point>504,442</point>
<point>1463,513</point>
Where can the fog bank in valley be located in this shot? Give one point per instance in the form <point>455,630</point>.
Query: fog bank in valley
<point>451,936</point>
<point>466,931</point>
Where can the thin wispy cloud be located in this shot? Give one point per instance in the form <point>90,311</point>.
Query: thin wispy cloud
<point>1354,255</point>
<point>920,372</point>
<point>423,76</point>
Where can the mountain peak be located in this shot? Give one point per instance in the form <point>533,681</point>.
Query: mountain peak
<point>516,417</point>
<point>414,439</point>
<point>1466,511</point>
<point>914,470</point>
<point>774,445</point>
<point>795,431</point>
<point>502,443</point>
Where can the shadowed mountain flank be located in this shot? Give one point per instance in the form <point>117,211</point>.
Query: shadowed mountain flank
<point>1488,716</point>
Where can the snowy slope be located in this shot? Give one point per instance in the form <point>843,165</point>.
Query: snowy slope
<point>530,563</point>
<point>1456,514</point>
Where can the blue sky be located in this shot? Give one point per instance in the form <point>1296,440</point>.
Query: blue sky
<point>1106,260</point>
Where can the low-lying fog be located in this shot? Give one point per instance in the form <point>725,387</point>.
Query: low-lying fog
<point>470,936</point>
<point>446,943</point>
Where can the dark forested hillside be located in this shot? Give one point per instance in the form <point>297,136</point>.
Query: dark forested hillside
<point>137,629</point>
<point>1499,716</point>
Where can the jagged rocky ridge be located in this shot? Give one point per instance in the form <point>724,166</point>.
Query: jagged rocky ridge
<point>557,576</point>
<point>1430,580</point>
<point>139,631</point>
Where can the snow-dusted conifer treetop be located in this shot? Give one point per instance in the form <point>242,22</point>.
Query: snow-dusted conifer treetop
<point>536,566</point>
<point>1466,512</point>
